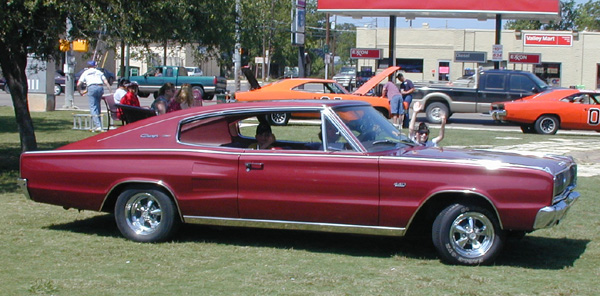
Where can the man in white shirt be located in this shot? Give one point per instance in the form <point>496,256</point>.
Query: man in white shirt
<point>94,80</point>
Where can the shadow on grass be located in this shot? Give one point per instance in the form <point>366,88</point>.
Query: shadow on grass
<point>531,252</point>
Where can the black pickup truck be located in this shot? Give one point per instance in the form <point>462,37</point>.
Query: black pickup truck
<point>475,94</point>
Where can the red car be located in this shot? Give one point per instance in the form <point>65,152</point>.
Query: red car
<point>358,176</point>
<point>547,112</point>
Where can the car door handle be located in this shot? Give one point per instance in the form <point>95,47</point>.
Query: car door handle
<point>254,166</point>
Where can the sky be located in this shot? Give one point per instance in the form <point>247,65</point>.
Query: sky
<point>439,23</point>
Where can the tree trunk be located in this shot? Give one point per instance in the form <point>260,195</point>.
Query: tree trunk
<point>13,67</point>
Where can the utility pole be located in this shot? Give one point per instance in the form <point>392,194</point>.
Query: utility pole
<point>237,58</point>
<point>326,49</point>
<point>69,69</point>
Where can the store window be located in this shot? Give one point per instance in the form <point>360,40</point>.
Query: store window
<point>406,65</point>
<point>444,71</point>
<point>549,72</point>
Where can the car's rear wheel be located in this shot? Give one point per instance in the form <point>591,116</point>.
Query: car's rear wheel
<point>467,235</point>
<point>278,118</point>
<point>145,214</point>
<point>435,111</point>
<point>57,89</point>
<point>198,93</point>
<point>527,128</point>
<point>547,125</point>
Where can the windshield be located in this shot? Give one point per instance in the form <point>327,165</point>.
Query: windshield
<point>540,83</point>
<point>372,129</point>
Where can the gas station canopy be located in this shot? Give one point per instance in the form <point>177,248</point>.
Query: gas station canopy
<point>542,10</point>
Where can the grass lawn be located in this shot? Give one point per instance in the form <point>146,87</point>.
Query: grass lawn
<point>47,250</point>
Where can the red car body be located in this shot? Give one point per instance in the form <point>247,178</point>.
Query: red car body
<point>547,112</point>
<point>193,166</point>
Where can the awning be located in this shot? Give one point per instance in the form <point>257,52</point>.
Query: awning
<point>542,10</point>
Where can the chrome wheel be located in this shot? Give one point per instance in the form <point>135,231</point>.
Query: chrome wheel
<point>146,214</point>
<point>471,235</point>
<point>143,213</point>
<point>467,235</point>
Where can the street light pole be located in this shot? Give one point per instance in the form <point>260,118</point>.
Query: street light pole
<point>69,69</point>
<point>237,59</point>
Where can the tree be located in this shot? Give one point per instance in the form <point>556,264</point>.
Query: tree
<point>27,27</point>
<point>569,14</point>
<point>589,16</point>
<point>34,26</point>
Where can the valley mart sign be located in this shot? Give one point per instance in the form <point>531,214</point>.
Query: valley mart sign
<point>548,40</point>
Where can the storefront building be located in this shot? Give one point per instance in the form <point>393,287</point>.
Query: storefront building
<point>561,58</point>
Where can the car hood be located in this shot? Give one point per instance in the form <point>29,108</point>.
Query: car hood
<point>488,158</point>
<point>371,83</point>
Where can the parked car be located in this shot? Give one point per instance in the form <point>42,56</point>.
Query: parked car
<point>359,176</point>
<point>3,84</point>
<point>547,112</point>
<point>346,77</point>
<point>194,71</point>
<point>204,87</point>
<point>311,89</point>
<point>475,95</point>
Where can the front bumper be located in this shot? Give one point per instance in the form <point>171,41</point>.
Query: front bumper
<point>552,215</point>
<point>23,185</point>
<point>498,114</point>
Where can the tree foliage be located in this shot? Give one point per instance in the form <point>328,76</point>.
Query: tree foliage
<point>570,12</point>
<point>589,16</point>
<point>35,26</point>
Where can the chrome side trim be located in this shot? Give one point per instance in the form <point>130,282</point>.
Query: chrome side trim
<point>22,183</point>
<point>297,225</point>
<point>237,151</point>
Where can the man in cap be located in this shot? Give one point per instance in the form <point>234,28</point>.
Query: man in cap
<point>94,80</point>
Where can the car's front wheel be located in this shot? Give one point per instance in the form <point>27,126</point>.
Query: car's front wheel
<point>467,235</point>
<point>145,214</point>
<point>547,125</point>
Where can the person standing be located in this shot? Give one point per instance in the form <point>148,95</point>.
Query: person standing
<point>94,80</point>
<point>406,89</point>
<point>391,91</point>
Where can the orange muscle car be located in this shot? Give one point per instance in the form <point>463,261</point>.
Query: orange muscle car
<point>312,89</point>
<point>549,111</point>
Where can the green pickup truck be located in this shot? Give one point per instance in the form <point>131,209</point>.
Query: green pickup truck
<point>202,86</point>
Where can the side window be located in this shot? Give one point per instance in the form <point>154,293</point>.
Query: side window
<point>521,83</point>
<point>302,135</point>
<point>494,81</point>
<point>311,87</point>
<point>169,72</point>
